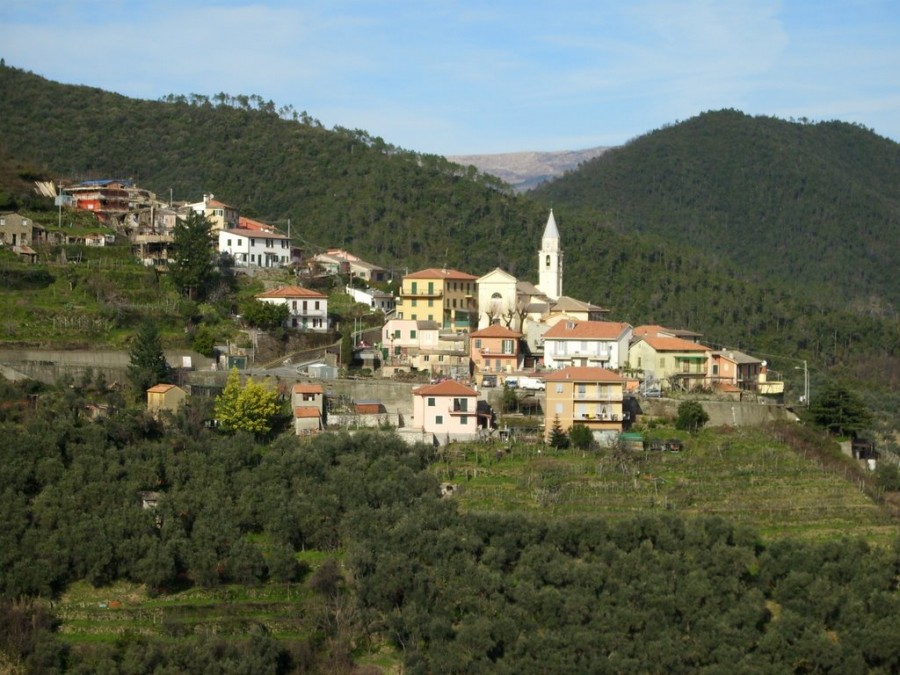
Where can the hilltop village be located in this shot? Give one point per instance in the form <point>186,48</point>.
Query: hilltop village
<point>463,334</point>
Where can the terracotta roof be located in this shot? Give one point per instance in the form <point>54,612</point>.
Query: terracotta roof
<point>307,388</point>
<point>654,330</point>
<point>216,202</point>
<point>583,374</point>
<point>445,388</point>
<point>580,330</point>
<point>673,344</point>
<point>292,292</point>
<point>434,273</point>
<point>307,412</point>
<point>258,234</point>
<point>495,330</point>
<point>160,388</point>
<point>246,223</point>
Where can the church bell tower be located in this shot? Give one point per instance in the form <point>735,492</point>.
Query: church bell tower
<point>550,261</point>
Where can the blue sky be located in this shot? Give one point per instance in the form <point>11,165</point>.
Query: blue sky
<point>466,77</point>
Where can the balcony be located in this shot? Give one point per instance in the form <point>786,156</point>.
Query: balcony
<point>606,417</point>
<point>420,293</point>
<point>615,395</point>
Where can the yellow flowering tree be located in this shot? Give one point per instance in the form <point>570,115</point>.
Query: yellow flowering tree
<point>252,407</point>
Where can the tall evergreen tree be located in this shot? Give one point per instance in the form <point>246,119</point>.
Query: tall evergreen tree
<point>193,270</point>
<point>558,437</point>
<point>839,410</point>
<point>148,364</point>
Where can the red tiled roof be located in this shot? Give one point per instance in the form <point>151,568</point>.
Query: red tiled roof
<point>160,388</point>
<point>245,223</point>
<point>654,330</point>
<point>306,412</point>
<point>674,345</point>
<point>580,330</point>
<point>495,330</point>
<point>292,292</point>
<point>445,388</point>
<point>307,388</point>
<point>583,374</point>
<point>434,273</point>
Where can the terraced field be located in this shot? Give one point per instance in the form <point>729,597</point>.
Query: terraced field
<point>745,475</point>
<point>105,614</point>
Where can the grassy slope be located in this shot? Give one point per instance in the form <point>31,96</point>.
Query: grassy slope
<point>745,475</point>
<point>98,300</point>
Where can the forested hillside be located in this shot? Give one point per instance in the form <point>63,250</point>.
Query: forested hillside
<point>816,206</point>
<point>403,209</point>
<point>339,188</point>
<point>399,572</point>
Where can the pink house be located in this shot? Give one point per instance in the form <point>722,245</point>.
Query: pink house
<point>447,408</point>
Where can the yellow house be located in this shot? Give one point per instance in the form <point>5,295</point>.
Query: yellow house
<point>447,296</point>
<point>168,397</point>
<point>674,362</point>
<point>586,395</point>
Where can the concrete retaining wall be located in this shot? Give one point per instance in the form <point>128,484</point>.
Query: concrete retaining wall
<point>49,366</point>
<point>721,413</point>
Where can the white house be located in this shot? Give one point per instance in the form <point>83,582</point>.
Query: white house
<point>375,299</point>
<point>255,248</point>
<point>587,344</point>
<point>307,309</point>
<point>338,261</point>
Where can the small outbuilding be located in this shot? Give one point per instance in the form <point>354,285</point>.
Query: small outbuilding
<point>165,397</point>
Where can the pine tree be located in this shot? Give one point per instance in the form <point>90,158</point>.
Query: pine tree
<point>148,365</point>
<point>193,270</point>
<point>558,437</point>
<point>839,410</point>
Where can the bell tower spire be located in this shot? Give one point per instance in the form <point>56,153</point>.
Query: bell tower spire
<point>550,261</point>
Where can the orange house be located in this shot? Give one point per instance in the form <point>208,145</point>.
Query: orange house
<point>495,349</point>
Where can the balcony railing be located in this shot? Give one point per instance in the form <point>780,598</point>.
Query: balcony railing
<point>607,417</point>
<point>434,293</point>
<point>598,396</point>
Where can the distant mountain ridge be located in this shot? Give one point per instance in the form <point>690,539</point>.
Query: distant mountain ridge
<point>526,170</point>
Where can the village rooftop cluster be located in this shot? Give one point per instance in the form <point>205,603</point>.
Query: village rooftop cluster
<point>466,332</point>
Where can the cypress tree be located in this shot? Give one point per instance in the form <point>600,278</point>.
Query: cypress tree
<point>148,365</point>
